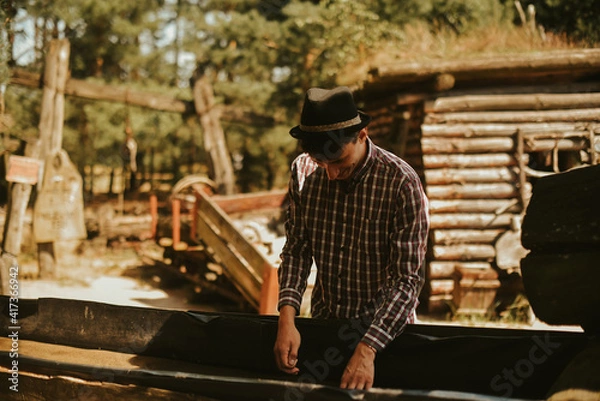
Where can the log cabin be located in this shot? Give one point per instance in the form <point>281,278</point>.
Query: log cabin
<point>480,132</point>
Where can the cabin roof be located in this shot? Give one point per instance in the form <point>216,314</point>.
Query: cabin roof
<point>533,68</point>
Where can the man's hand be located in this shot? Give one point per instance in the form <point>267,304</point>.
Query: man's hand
<point>288,341</point>
<point>360,371</point>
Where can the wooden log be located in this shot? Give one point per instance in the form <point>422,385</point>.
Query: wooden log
<point>470,220</point>
<point>450,237</point>
<point>580,142</point>
<point>51,127</point>
<point>225,228</point>
<point>47,107</point>
<point>506,129</point>
<point>474,205</point>
<point>431,145</point>
<point>526,89</point>
<point>574,115</point>
<point>242,203</point>
<point>473,191</point>
<point>440,287</point>
<point>549,62</point>
<point>476,296</point>
<point>38,387</point>
<point>563,211</point>
<point>537,101</point>
<point>459,269</point>
<point>468,175</point>
<point>562,288</point>
<point>470,272</point>
<point>439,304</point>
<point>441,270</point>
<point>464,252</point>
<point>150,100</point>
<point>468,160</point>
<point>214,137</point>
<point>471,145</point>
<point>236,269</point>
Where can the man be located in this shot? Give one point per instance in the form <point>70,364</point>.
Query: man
<point>361,214</point>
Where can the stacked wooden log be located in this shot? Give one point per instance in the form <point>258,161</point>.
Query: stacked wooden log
<point>478,152</point>
<point>562,230</point>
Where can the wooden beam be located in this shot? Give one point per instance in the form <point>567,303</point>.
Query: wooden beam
<point>538,101</point>
<point>473,191</point>
<point>470,175</point>
<point>464,252</point>
<point>574,115</point>
<point>471,220</point>
<point>478,129</point>
<point>450,237</point>
<point>241,203</point>
<point>474,205</point>
<point>150,100</point>
<point>468,160</point>
<point>214,137</point>
<point>495,67</point>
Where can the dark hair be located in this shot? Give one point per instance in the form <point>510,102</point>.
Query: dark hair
<point>327,145</point>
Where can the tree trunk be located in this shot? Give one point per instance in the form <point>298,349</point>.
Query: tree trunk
<point>214,138</point>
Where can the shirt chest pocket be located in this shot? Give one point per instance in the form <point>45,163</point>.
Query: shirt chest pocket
<point>371,237</point>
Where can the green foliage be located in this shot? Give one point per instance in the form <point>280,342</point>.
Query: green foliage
<point>260,55</point>
<point>580,20</point>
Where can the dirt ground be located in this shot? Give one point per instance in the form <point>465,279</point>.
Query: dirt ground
<point>115,273</point>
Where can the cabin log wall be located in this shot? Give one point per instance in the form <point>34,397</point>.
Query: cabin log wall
<point>478,155</point>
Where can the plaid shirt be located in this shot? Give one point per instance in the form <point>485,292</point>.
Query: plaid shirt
<point>368,237</point>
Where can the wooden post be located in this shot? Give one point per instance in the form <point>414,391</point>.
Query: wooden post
<point>51,126</point>
<point>154,215</point>
<point>269,291</point>
<point>214,138</point>
<point>13,226</point>
<point>194,224</point>
<point>176,205</point>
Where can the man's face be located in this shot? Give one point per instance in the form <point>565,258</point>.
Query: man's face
<point>342,167</point>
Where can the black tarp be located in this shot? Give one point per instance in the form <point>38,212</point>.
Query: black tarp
<point>491,361</point>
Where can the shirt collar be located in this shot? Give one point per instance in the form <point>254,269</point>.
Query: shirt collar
<point>361,170</point>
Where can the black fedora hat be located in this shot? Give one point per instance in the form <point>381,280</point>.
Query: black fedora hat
<point>329,110</point>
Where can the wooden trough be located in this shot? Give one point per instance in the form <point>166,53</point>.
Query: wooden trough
<point>79,350</point>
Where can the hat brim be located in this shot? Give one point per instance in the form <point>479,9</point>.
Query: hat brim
<point>298,133</point>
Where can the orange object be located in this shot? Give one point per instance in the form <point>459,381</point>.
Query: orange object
<point>176,205</point>
<point>269,291</point>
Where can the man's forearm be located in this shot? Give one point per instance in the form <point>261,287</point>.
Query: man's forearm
<point>287,315</point>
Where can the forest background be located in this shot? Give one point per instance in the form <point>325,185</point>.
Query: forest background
<point>260,56</point>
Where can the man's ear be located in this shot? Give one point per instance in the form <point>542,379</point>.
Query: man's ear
<point>362,134</point>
